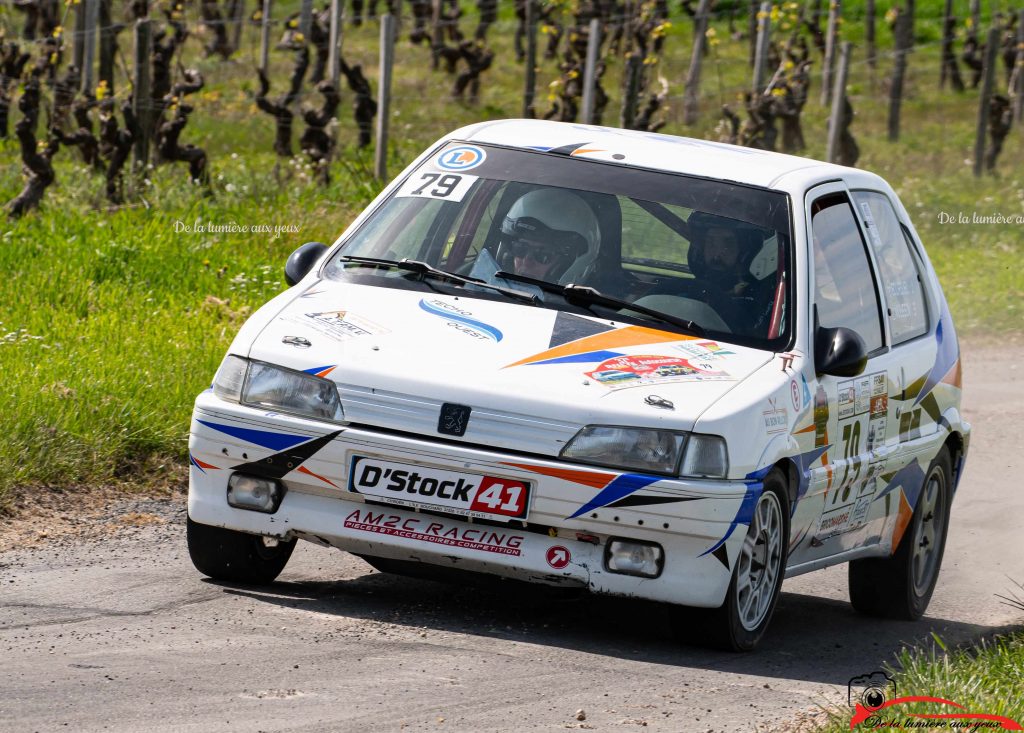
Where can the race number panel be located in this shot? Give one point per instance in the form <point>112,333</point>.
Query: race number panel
<point>437,185</point>
<point>466,494</point>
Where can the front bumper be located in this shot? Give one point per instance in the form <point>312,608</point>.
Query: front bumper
<point>574,510</point>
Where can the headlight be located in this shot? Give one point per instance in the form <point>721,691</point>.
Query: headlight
<point>706,457</point>
<point>258,384</point>
<point>227,384</point>
<point>652,451</point>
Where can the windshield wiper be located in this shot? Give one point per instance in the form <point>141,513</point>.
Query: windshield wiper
<point>590,296</point>
<point>422,269</point>
<point>547,287</point>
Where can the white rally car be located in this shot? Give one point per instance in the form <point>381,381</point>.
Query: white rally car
<point>638,364</point>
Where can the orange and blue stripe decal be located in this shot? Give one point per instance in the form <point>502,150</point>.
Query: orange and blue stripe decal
<point>303,469</point>
<point>615,488</point>
<point>321,371</point>
<point>601,346</point>
<point>201,465</point>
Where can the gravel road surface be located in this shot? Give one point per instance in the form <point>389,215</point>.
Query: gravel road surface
<point>116,631</point>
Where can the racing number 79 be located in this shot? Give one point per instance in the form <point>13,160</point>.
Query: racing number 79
<point>445,184</point>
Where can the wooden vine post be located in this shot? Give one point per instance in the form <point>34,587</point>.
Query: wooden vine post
<point>947,43</point>
<point>92,17</point>
<point>334,41</point>
<point>987,82</point>
<point>590,70</point>
<point>903,44</point>
<point>828,65</point>
<point>387,57</point>
<point>108,45</point>
<point>141,102</point>
<point>265,35</point>
<point>631,90</point>
<point>869,41</point>
<point>764,21</point>
<point>531,60</point>
<point>237,9</point>
<point>306,19</point>
<point>691,95</point>
<point>78,49</point>
<point>1018,100</point>
<point>838,101</point>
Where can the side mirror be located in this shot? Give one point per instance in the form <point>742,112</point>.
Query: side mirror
<point>839,352</point>
<point>301,261</point>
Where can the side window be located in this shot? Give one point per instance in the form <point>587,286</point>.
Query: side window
<point>897,268</point>
<point>844,285</point>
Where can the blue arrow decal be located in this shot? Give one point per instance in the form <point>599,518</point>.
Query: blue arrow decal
<point>264,438</point>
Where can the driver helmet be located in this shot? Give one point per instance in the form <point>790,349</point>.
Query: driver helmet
<point>721,249</point>
<point>553,225</point>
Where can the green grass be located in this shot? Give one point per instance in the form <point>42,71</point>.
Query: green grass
<point>986,678</point>
<point>111,321</point>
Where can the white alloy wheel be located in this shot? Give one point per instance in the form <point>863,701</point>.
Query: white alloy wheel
<point>927,547</point>
<point>760,562</point>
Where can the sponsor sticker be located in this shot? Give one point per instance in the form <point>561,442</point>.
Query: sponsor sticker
<point>558,557</point>
<point>428,529</point>
<point>632,371</point>
<point>465,494</point>
<point>462,320</point>
<point>776,419</point>
<point>703,350</point>
<point>460,158</point>
<point>869,224</point>
<point>857,396</point>
<point>339,324</point>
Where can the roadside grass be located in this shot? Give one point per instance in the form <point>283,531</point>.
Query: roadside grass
<point>111,319</point>
<point>986,678</point>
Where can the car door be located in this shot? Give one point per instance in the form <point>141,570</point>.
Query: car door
<point>854,416</point>
<point>908,317</point>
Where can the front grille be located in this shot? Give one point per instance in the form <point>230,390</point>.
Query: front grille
<point>487,427</point>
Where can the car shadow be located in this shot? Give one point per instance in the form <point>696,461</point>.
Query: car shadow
<point>811,638</point>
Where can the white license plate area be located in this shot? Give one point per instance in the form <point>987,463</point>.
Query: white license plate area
<point>466,494</point>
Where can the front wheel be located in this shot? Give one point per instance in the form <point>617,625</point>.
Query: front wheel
<point>224,554</point>
<point>901,586</point>
<point>741,621</point>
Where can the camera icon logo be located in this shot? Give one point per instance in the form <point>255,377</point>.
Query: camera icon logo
<point>871,690</point>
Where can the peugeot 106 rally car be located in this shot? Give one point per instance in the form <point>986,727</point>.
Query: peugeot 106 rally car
<point>633,363</point>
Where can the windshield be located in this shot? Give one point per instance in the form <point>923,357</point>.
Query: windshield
<point>711,253</point>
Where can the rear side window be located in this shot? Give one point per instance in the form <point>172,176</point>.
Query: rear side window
<point>897,266</point>
<point>845,292</point>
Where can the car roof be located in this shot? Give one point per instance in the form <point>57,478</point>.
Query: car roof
<point>650,150</point>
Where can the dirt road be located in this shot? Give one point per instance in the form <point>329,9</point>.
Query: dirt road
<point>122,634</point>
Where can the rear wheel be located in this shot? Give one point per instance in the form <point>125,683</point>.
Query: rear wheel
<point>224,554</point>
<point>901,586</point>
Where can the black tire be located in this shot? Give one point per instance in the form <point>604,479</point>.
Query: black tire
<point>901,586</point>
<point>734,626</point>
<point>237,557</point>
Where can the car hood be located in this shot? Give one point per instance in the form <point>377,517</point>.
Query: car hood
<point>398,355</point>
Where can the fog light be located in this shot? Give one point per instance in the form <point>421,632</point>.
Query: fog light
<point>255,493</point>
<point>634,558</point>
